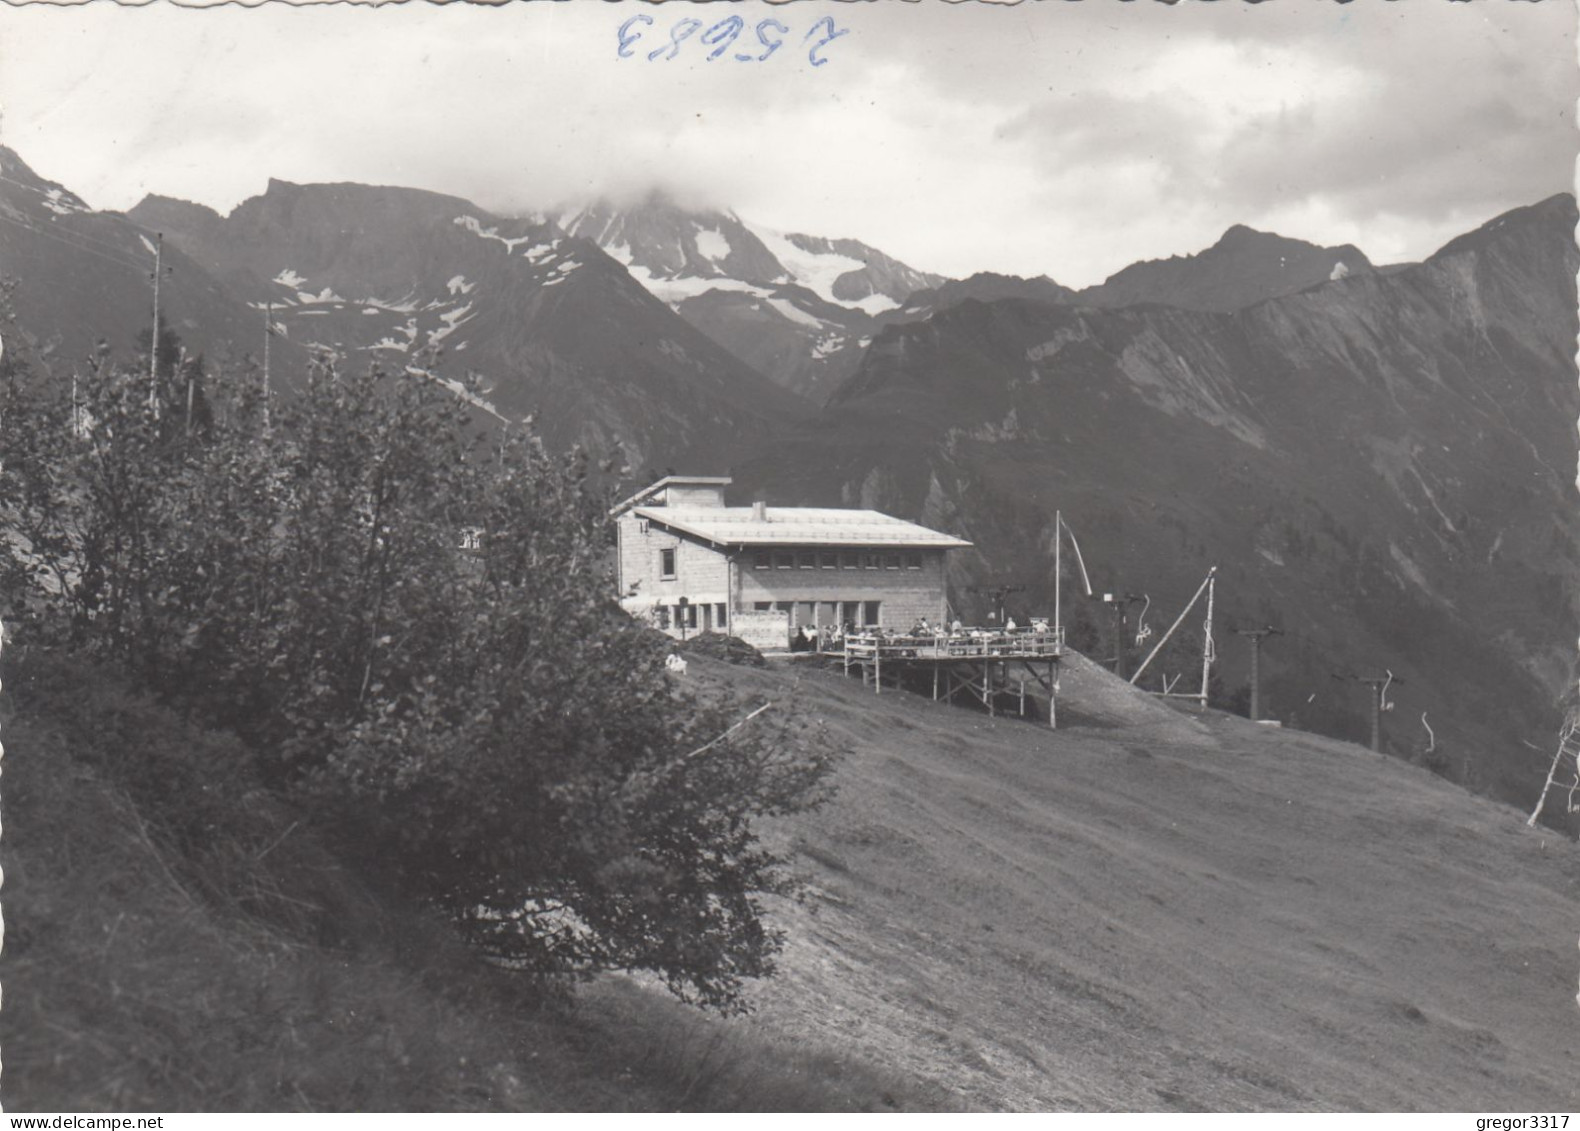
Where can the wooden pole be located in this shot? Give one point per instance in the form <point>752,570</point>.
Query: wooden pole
<point>1119,636</point>
<point>1208,648</point>
<point>1256,636</point>
<point>1376,716</point>
<point>1053,695</point>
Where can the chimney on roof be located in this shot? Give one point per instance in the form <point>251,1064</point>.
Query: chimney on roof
<point>759,511</point>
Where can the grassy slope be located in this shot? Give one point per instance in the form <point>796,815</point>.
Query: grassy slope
<point>1159,912</point>
<point>176,941</point>
<point>1143,911</point>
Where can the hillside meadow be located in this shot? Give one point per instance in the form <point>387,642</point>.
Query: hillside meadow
<point>1143,911</point>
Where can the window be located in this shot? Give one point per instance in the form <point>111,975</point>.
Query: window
<point>870,561</point>
<point>827,560</point>
<point>891,561</point>
<point>783,559</point>
<point>763,606</point>
<point>471,537</point>
<point>666,564</point>
<point>871,613</point>
<point>661,614</point>
<point>641,526</point>
<point>806,559</point>
<point>849,560</point>
<point>913,560</point>
<point>762,559</point>
<point>720,618</point>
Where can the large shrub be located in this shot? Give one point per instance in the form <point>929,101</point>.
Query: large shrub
<point>411,625</point>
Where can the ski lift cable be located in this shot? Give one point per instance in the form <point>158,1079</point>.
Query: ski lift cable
<point>85,211</point>
<point>57,237</point>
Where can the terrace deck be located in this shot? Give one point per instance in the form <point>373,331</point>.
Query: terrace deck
<point>984,664</point>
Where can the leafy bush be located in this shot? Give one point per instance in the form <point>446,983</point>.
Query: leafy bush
<point>411,627</point>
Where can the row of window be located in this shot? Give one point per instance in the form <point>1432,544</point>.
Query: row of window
<point>830,614</point>
<point>687,616</point>
<point>836,559</point>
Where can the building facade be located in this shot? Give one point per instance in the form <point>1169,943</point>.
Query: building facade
<point>689,563</point>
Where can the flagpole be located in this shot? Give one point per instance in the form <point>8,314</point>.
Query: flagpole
<point>1058,578</point>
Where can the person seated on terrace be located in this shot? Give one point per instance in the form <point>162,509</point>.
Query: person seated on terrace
<point>799,642</point>
<point>921,628</point>
<point>1009,624</point>
<point>811,637</point>
<point>956,628</point>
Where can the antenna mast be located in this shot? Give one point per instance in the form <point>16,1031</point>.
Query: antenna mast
<point>153,342</point>
<point>268,332</point>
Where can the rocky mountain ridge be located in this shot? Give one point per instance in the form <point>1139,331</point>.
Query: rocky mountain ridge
<point>512,314</point>
<point>1380,465</point>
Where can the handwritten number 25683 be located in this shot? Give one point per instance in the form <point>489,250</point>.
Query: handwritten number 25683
<point>722,35</point>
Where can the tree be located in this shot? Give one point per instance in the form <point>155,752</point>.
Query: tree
<point>485,725</point>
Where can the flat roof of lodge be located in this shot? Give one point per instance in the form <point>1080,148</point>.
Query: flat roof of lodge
<point>800,526</point>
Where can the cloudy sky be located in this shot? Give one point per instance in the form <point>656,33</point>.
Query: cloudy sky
<point>1045,137</point>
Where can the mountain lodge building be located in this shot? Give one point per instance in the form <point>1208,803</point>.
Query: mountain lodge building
<point>688,563</point>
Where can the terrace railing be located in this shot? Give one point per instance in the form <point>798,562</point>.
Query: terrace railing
<point>972,643</point>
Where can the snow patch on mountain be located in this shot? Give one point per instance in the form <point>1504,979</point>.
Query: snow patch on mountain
<point>874,304</point>
<point>816,272</point>
<point>286,278</point>
<point>407,305</point>
<point>459,286</point>
<point>677,290</point>
<point>460,390</point>
<point>475,226</point>
<point>712,245</point>
<point>796,314</point>
<point>827,346</point>
<point>62,203</point>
